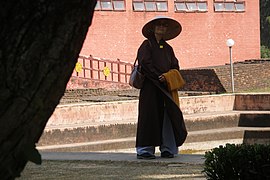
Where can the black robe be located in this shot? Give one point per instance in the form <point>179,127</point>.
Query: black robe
<point>155,60</point>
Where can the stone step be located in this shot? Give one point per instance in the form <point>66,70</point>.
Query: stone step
<point>205,121</point>
<point>92,126</point>
<point>248,135</point>
<point>82,134</point>
<point>104,145</point>
<point>254,120</point>
<point>215,120</point>
<point>245,133</point>
<point>97,132</point>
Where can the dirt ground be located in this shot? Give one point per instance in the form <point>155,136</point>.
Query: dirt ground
<point>110,170</point>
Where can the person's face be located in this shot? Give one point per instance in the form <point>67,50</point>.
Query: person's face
<point>161,27</point>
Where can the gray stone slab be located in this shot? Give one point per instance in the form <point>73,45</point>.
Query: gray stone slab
<point>99,156</point>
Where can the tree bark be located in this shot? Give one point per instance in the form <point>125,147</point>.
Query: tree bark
<point>40,41</point>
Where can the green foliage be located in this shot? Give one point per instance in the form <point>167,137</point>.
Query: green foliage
<point>265,22</point>
<point>238,162</point>
<point>265,52</point>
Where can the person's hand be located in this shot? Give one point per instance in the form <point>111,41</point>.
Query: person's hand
<point>161,78</point>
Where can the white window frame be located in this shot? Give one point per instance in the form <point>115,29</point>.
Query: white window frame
<point>242,4</point>
<point>112,3</point>
<point>223,3</point>
<point>190,5</point>
<point>123,5</point>
<point>145,8</point>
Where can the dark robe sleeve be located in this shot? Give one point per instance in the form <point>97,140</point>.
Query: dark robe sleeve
<point>175,62</point>
<point>145,60</point>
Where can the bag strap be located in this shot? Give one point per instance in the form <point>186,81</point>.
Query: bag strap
<point>137,56</point>
<point>135,62</point>
<point>150,43</point>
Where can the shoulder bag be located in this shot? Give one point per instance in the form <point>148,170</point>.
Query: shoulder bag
<point>136,77</point>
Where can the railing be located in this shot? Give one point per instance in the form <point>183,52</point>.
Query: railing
<point>102,70</point>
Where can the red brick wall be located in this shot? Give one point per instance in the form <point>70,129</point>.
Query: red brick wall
<point>202,42</point>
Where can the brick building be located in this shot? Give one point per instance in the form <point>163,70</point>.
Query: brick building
<point>115,32</point>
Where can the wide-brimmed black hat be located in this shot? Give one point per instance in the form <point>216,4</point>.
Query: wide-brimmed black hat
<point>174,28</point>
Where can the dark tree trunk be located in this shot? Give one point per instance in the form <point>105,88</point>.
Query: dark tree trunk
<point>40,41</point>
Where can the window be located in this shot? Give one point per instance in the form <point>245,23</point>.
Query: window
<point>119,5</point>
<point>162,6</point>
<point>180,6</point>
<point>106,5</point>
<point>150,5</point>
<point>190,6</point>
<point>138,6</point>
<point>110,5</point>
<point>229,6</point>
<point>202,6</point>
<point>240,6</point>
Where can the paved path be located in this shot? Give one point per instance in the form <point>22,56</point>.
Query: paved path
<point>113,166</point>
<point>108,156</point>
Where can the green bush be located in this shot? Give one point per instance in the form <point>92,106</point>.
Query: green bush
<point>238,162</point>
<point>265,52</point>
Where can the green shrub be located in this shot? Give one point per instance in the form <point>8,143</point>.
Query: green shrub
<point>238,162</point>
<point>265,52</point>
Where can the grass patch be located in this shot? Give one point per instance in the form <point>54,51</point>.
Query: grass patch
<point>191,151</point>
<point>259,90</point>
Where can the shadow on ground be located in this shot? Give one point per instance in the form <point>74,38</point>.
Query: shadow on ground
<point>118,166</point>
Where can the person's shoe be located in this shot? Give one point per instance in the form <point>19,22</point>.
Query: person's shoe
<point>166,154</point>
<point>146,156</point>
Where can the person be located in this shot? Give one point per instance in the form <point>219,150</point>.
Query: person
<point>160,120</point>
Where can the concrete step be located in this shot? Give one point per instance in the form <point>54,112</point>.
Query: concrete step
<point>205,121</point>
<point>106,125</point>
<point>252,102</point>
<point>96,132</point>
<point>247,135</point>
<point>79,133</point>
<point>254,120</point>
<point>215,120</point>
<point>104,145</point>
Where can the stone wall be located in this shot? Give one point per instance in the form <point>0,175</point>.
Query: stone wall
<point>202,80</point>
<point>248,75</point>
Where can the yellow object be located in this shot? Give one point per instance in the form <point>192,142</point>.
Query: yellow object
<point>106,71</point>
<point>160,46</point>
<point>174,82</point>
<point>78,67</point>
